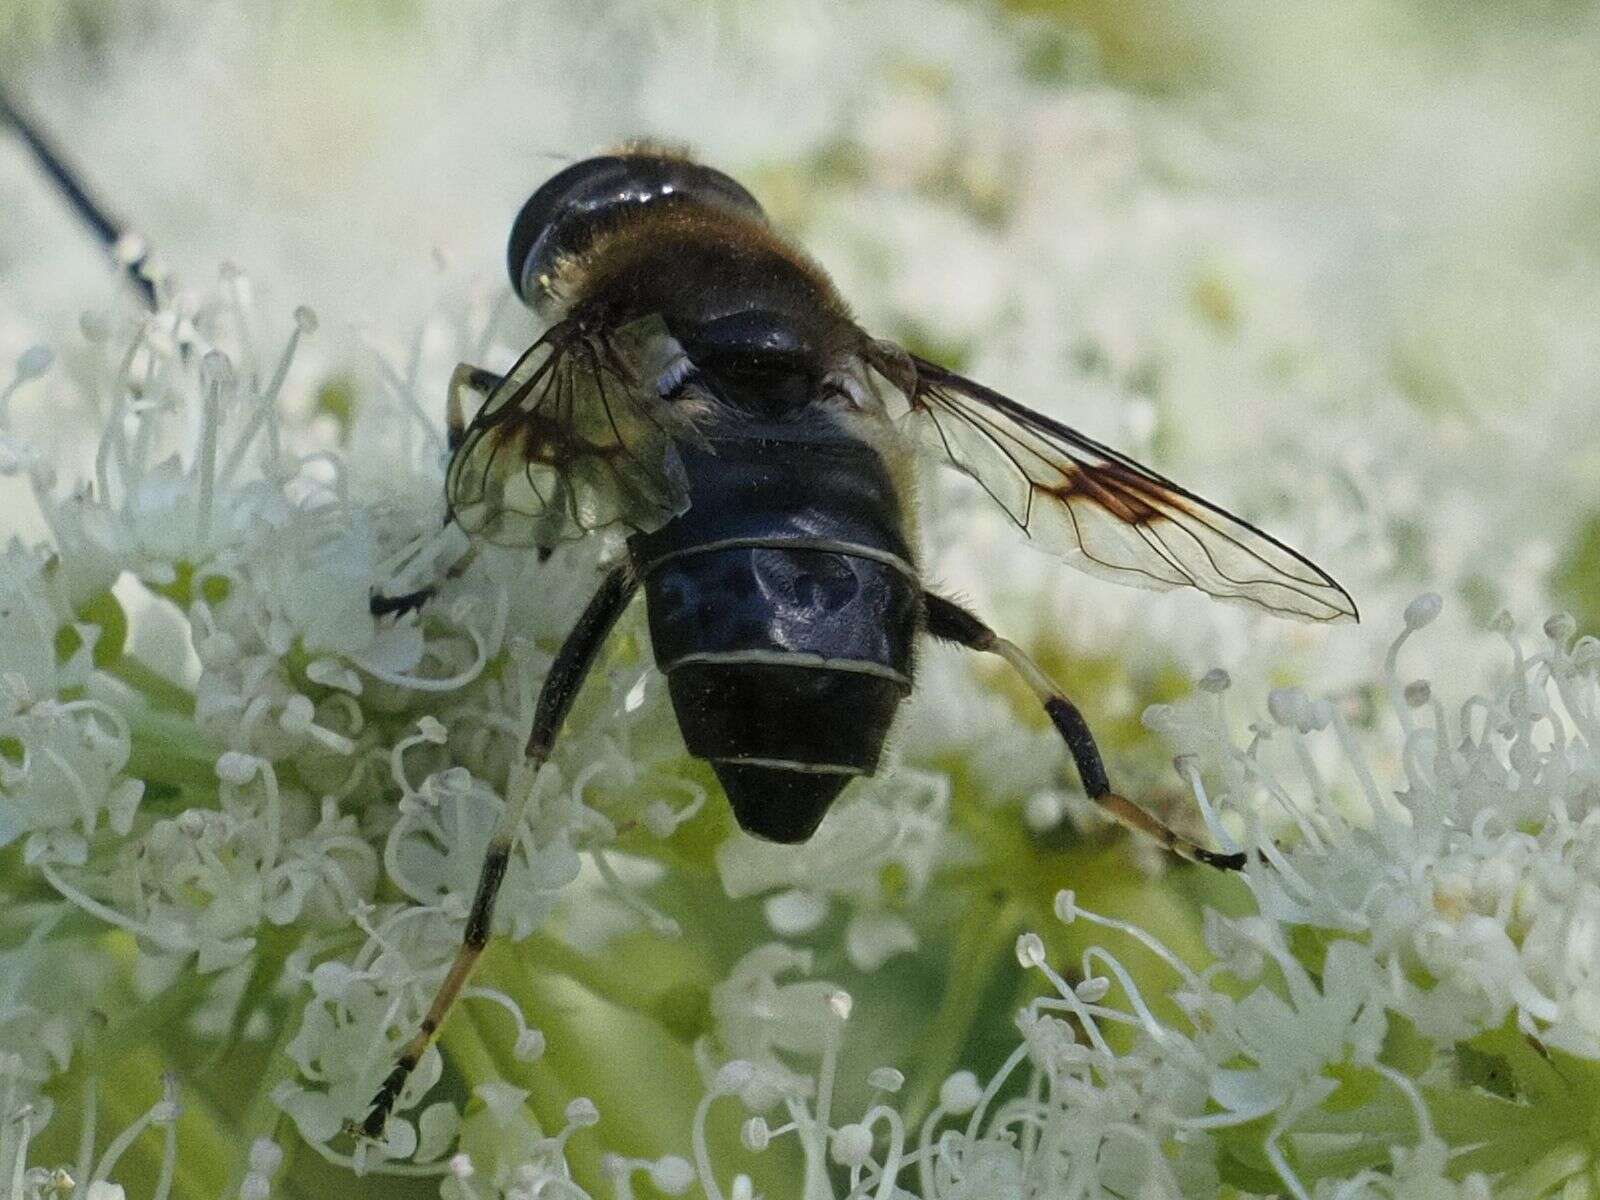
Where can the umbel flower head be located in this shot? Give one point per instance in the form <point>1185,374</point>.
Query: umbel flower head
<point>242,815</point>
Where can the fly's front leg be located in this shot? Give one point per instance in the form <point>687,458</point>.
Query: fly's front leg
<point>468,378</point>
<point>465,378</point>
<point>381,606</point>
<point>125,247</point>
<point>576,656</point>
<point>952,623</point>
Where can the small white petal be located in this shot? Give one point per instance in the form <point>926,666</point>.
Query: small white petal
<point>1423,610</point>
<point>1030,950</point>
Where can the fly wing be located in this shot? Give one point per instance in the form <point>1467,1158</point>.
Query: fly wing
<point>573,439</point>
<point>1100,510</point>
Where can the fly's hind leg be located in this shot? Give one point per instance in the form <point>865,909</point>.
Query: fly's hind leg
<point>576,656</point>
<point>952,623</point>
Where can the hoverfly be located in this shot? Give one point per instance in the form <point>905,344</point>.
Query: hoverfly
<point>700,385</point>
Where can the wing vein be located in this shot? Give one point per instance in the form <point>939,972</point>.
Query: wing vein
<point>1099,508</point>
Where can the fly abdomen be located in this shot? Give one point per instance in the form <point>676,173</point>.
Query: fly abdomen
<point>783,608</point>
<point>783,740</point>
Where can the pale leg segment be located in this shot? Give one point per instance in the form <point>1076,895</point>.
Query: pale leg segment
<point>576,656</point>
<point>465,378</point>
<point>950,622</point>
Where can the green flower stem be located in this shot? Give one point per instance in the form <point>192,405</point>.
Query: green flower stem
<point>1346,1161</point>
<point>1546,1174</point>
<point>463,1040</point>
<point>127,1061</point>
<point>207,1141</point>
<point>1388,1118</point>
<point>263,1118</point>
<point>624,989</point>
<point>139,1019</point>
<point>984,934</point>
<point>159,1030</point>
<point>169,749</point>
<point>155,687</point>
<point>643,1079</point>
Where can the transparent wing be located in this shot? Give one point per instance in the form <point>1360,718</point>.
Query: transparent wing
<point>574,438</point>
<point>1102,511</point>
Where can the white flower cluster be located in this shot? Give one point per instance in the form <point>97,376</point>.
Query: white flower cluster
<point>901,831</point>
<point>1406,1010</point>
<point>1473,887</point>
<point>241,777</point>
<point>228,792</point>
<point>211,745</point>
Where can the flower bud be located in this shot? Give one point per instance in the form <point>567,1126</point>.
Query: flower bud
<point>34,362</point>
<point>886,1079</point>
<point>671,1175</point>
<point>960,1093</point>
<point>852,1145</point>
<point>582,1113</point>
<point>756,1134</point>
<point>1030,950</point>
<point>1423,610</point>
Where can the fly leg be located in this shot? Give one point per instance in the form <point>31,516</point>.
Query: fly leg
<point>576,656</point>
<point>952,623</point>
<point>129,254</point>
<point>381,606</point>
<point>468,378</point>
<point>465,378</point>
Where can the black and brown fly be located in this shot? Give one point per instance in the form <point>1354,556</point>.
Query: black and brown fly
<point>701,386</point>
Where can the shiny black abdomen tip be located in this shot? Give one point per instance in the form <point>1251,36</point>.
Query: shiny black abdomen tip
<point>777,805</point>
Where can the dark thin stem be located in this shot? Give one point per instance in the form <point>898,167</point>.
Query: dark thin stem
<point>94,215</point>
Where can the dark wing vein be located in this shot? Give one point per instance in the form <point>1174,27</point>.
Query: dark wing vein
<point>1105,512</point>
<point>574,439</point>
